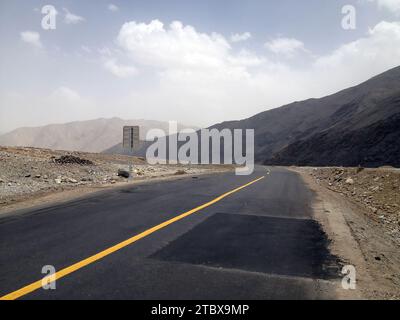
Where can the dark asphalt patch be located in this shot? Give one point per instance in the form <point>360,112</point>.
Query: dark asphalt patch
<point>282,246</point>
<point>128,191</point>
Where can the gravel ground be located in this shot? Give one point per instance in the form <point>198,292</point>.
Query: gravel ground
<point>377,190</point>
<point>357,211</point>
<point>31,172</point>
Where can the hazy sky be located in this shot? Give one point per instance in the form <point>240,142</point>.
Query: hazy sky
<point>197,62</point>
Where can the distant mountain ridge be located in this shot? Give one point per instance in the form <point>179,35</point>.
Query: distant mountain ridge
<point>90,136</point>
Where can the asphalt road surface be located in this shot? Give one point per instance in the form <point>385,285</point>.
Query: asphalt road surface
<point>256,242</point>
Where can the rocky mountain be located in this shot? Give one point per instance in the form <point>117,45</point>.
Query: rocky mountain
<point>356,126</point>
<point>372,145</point>
<point>90,136</point>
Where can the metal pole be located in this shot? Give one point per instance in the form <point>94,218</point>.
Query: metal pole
<point>131,162</point>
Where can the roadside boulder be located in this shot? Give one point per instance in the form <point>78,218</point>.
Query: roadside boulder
<point>123,173</point>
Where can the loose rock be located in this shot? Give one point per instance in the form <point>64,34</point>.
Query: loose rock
<point>69,159</point>
<point>123,173</point>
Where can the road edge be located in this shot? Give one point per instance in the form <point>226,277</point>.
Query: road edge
<point>331,211</point>
<point>61,197</point>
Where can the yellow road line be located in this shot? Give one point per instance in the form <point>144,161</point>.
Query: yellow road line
<point>66,271</point>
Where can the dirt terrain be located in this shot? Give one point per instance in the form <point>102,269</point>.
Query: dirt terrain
<point>30,176</point>
<point>359,210</point>
<point>376,190</point>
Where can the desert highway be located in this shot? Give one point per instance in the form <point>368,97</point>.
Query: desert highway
<point>216,236</point>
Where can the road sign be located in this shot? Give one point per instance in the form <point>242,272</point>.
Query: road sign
<point>130,137</point>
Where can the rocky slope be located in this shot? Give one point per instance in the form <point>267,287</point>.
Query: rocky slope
<point>357,126</point>
<point>362,131</point>
<point>376,190</point>
<point>350,144</point>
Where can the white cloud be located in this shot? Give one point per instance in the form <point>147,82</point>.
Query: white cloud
<point>177,46</point>
<point>200,74</point>
<point>65,93</point>
<point>390,5</point>
<point>119,70</point>
<point>71,18</point>
<point>86,49</point>
<point>105,52</point>
<point>198,78</point>
<point>359,60</point>
<point>238,37</point>
<point>287,47</point>
<point>113,7</point>
<point>31,37</point>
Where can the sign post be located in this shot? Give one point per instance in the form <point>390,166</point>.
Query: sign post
<point>130,141</point>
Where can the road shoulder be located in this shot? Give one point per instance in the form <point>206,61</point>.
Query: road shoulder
<point>356,241</point>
